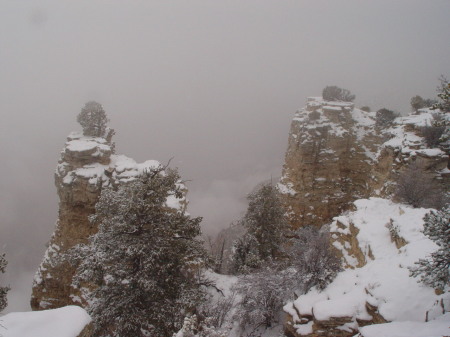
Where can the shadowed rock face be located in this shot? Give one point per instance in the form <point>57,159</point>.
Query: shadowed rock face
<point>86,166</point>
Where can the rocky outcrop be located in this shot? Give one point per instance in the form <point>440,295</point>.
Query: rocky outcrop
<point>87,165</point>
<point>337,154</point>
<point>331,152</point>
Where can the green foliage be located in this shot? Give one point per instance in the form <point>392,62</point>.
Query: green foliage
<point>434,270</point>
<point>144,260</point>
<point>3,290</point>
<point>334,93</point>
<point>266,228</point>
<point>93,120</point>
<point>366,108</point>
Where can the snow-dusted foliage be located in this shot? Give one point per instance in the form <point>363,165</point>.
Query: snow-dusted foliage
<point>93,119</point>
<point>3,290</point>
<point>444,95</point>
<point>434,270</point>
<point>263,295</point>
<point>313,258</point>
<point>142,264</point>
<point>266,226</point>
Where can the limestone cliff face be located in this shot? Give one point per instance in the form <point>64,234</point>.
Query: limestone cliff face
<point>329,161</point>
<point>86,166</point>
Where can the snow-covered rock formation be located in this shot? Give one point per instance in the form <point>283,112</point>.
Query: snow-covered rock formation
<point>337,154</point>
<point>378,242</point>
<point>331,151</point>
<point>86,166</point>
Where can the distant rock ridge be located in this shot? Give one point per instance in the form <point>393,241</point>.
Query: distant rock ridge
<point>337,154</point>
<point>86,166</point>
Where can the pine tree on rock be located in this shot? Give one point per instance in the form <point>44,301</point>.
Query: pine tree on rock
<point>93,120</point>
<point>3,290</point>
<point>142,262</point>
<point>266,228</point>
<point>434,270</point>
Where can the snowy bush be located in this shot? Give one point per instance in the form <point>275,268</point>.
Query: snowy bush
<point>432,135</point>
<point>416,187</point>
<point>142,263</point>
<point>93,119</point>
<point>3,290</point>
<point>313,258</point>
<point>263,295</point>
<point>434,270</point>
<point>385,117</point>
<point>334,93</point>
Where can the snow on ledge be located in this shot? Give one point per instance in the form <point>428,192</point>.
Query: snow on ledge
<point>437,328</point>
<point>63,322</point>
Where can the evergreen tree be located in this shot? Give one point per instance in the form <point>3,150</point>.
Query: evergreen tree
<point>93,120</point>
<point>434,270</point>
<point>266,228</point>
<point>3,290</point>
<point>142,263</point>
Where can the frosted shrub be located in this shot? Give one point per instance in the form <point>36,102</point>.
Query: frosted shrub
<point>263,295</point>
<point>434,270</point>
<point>313,258</point>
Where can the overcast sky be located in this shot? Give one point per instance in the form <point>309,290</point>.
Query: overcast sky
<point>213,84</point>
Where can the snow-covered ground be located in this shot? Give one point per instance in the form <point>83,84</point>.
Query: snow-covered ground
<point>383,280</point>
<point>63,322</point>
<point>436,328</point>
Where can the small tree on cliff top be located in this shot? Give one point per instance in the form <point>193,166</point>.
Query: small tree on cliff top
<point>334,93</point>
<point>142,260</point>
<point>93,119</point>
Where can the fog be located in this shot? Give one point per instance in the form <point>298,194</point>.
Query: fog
<point>212,84</point>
